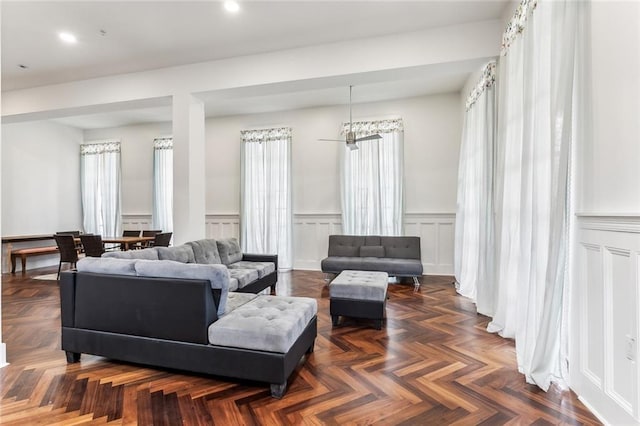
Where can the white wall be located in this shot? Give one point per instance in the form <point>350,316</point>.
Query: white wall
<point>605,314</point>
<point>40,181</point>
<point>136,144</point>
<point>611,175</point>
<point>432,138</point>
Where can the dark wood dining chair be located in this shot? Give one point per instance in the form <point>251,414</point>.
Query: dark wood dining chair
<point>149,233</point>
<point>162,239</point>
<point>93,245</point>
<point>67,248</point>
<point>130,233</point>
<point>75,234</point>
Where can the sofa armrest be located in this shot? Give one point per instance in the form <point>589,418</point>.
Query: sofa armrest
<point>261,258</point>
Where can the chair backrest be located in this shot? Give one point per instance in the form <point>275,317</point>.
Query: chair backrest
<point>92,244</point>
<point>162,239</point>
<point>67,247</point>
<point>130,233</point>
<point>151,232</point>
<point>73,233</point>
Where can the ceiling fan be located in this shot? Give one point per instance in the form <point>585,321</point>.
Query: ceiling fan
<point>351,139</point>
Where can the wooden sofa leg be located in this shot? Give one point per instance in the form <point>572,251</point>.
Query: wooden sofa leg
<point>72,357</point>
<point>278,390</point>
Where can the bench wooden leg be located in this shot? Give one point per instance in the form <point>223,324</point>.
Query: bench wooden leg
<point>23,260</point>
<point>13,264</point>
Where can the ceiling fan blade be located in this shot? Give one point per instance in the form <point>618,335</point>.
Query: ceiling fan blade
<point>369,138</point>
<point>332,140</point>
<point>352,146</point>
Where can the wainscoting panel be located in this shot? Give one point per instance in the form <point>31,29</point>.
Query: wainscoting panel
<point>436,232</point>
<point>606,318</point>
<point>222,225</point>
<point>137,221</point>
<point>311,238</point>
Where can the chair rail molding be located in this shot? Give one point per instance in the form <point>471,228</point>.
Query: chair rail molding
<point>605,315</point>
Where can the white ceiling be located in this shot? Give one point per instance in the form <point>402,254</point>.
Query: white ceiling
<point>146,35</point>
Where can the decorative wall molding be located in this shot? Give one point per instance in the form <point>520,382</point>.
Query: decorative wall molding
<point>610,222</point>
<point>137,221</point>
<point>606,315</point>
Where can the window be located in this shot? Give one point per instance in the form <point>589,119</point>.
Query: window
<point>372,180</point>
<point>100,187</point>
<point>266,212</point>
<point>163,184</point>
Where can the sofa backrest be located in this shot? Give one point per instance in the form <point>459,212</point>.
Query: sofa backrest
<point>172,309</point>
<point>205,251</point>
<point>216,275</point>
<point>375,246</point>
<point>148,253</point>
<point>345,245</point>
<point>182,253</point>
<point>401,247</point>
<point>230,251</point>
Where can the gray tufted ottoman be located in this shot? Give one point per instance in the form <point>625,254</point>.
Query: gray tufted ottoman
<point>359,294</point>
<point>265,323</point>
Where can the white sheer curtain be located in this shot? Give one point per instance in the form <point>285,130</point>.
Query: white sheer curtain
<point>540,87</point>
<point>473,257</point>
<point>372,180</point>
<point>100,187</point>
<point>266,208</point>
<point>163,184</point>
<point>538,72</point>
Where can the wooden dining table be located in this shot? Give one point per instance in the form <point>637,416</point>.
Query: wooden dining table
<point>127,242</point>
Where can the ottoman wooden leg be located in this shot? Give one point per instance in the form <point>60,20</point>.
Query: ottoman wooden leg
<point>335,319</point>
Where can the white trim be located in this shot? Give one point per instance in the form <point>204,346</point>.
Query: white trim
<point>3,355</point>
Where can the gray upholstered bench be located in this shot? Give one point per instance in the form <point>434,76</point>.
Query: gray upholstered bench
<point>359,294</point>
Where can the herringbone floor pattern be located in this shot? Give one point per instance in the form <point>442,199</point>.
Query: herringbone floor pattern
<point>433,363</point>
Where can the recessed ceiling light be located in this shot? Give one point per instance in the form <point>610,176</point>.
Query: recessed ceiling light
<point>68,38</point>
<point>231,6</point>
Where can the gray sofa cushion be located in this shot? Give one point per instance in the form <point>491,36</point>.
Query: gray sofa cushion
<point>182,253</point>
<point>233,283</point>
<point>218,275</point>
<point>372,240</point>
<point>148,254</point>
<point>263,268</point>
<point>394,267</point>
<point>205,251</point>
<point>101,265</point>
<point>235,300</point>
<point>372,251</point>
<point>340,263</point>
<point>360,285</point>
<point>345,245</point>
<point>230,251</point>
<point>401,247</point>
<point>244,276</point>
<point>267,323</point>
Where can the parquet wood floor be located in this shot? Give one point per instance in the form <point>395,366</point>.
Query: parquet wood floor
<point>433,363</point>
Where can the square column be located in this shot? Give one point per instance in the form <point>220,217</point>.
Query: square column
<point>188,169</point>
